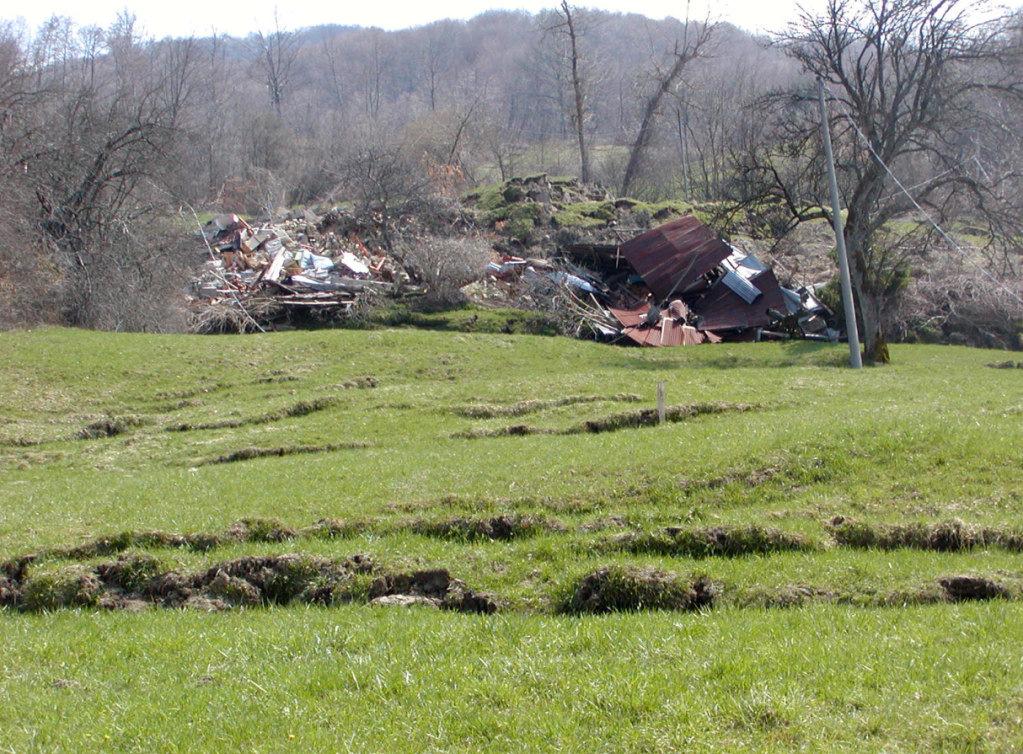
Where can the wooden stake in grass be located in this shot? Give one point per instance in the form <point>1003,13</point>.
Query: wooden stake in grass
<point>660,402</point>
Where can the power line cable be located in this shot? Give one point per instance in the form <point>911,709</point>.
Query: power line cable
<point>941,231</point>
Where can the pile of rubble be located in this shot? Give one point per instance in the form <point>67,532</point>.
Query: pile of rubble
<point>677,284</point>
<point>260,275</point>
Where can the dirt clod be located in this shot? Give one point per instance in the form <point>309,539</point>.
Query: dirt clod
<point>436,585</point>
<point>108,427</point>
<point>966,588</point>
<point>260,530</point>
<point>646,417</point>
<point>233,590</point>
<point>70,586</point>
<point>302,408</point>
<point>405,600</point>
<point>9,593</point>
<point>945,536</point>
<point>248,454</point>
<point>131,572</point>
<point>330,528</point>
<point>485,411</point>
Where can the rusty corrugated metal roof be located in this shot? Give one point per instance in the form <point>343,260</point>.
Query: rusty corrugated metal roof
<point>671,257</point>
<point>667,333</point>
<point>721,309</point>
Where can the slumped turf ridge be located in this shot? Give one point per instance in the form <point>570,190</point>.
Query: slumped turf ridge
<point>859,502</point>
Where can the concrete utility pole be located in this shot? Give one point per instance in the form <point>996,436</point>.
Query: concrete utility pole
<point>853,336</point>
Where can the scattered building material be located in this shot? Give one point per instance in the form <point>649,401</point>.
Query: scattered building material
<point>262,276</point>
<point>678,284</point>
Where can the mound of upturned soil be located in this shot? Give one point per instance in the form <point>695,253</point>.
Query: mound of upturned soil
<point>721,541</point>
<point>946,536</point>
<point>967,588</point>
<point>625,588</point>
<point>503,527</point>
<point>432,587</point>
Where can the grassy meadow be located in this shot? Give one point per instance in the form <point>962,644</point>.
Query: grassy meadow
<point>407,439</point>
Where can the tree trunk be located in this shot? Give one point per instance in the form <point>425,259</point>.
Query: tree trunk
<point>646,127</point>
<point>870,304</point>
<point>577,89</point>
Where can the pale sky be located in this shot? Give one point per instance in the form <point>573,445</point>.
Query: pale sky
<point>239,17</point>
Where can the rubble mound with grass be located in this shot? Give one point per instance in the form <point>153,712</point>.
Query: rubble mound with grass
<point>538,208</point>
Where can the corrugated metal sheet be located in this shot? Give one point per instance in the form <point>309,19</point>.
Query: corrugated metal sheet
<point>668,333</point>
<point>721,309</point>
<point>740,286</point>
<point>673,256</point>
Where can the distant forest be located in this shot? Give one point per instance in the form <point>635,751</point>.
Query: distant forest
<point>105,133</point>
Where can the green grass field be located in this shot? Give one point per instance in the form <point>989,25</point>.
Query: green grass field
<point>827,644</point>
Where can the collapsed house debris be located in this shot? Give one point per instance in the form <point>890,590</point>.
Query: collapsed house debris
<point>259,275</point>
<point>676,284</point>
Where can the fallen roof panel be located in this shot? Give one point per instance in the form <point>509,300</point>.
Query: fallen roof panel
<point>721,309</point>
<point>673,256</point>
<point>667,333</point>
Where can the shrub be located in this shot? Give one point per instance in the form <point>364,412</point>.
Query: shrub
<point>445,265</point>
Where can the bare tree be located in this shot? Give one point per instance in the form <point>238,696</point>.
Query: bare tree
<point>83,140</point>
<point>276,52</point>
<point>905,78</point>
<point>684,52</point>
<point>566,24</point>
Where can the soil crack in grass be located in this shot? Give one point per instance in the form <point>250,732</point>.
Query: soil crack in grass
<point>716,541</point>
<point>248,454</point>
<point>647,417</point>
<point>945,536</point>
<point>489,411</point>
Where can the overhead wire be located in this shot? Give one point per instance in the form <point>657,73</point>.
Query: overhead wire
<point>844,111</point>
